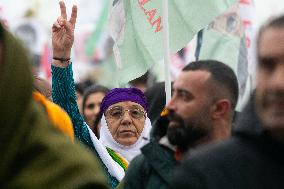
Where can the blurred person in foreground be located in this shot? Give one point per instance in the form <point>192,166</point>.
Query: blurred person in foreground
<point>254,156</point>
<point>201,111</point>
<point>33,153</point>
<point>125,127</point>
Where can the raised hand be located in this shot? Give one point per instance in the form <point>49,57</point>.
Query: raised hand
<point>63,32</point>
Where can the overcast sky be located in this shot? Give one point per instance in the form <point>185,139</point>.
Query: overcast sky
<point>267,8</point>
<point>49,9</point>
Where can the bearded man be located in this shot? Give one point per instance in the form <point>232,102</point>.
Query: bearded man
<point>201,111</point>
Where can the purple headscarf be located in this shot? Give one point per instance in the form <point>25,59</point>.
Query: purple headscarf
<point>121,95</point>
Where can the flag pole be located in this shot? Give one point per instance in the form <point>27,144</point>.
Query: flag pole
<point>166,50</point>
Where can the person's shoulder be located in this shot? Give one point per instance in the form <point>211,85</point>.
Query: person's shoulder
<point>140,166</point>
<point>58,117</point>
<point>217,152</point>
<point>205,163</point>
<point>218,159</point>
<point>137,163</point>
<point>135,173</point>
<point>53,166</point>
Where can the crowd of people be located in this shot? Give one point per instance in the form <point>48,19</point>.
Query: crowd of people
<point>68,136</point>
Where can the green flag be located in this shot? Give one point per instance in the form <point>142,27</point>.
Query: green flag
<point>224,40</point>
<point>108,71</point>
<point>220,46</point>
<point>136,27</point>
<point>96,34</point>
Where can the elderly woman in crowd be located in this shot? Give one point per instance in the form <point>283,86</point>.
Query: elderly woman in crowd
<point>125,126</point>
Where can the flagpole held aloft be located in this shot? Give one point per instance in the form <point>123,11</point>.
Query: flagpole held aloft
<point>166,46</point>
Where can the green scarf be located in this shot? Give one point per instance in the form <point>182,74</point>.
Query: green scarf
<point>118,158</point>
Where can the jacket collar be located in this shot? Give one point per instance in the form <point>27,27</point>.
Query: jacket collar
<point>161,159</point>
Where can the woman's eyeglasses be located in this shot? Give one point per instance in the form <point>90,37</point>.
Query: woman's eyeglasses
<point>118,112</point>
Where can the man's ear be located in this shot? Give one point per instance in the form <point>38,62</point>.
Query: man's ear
<point>221,108</point>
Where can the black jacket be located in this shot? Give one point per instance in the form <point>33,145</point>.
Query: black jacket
<point>152,169</point>
<point>249,160</point>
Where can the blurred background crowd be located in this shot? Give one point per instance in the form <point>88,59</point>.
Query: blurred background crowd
<point>31,20</point>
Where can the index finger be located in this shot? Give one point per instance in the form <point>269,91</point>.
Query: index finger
<point>73,15</point>
<point>63,9</point>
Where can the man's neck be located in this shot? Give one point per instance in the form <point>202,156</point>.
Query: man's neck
<point>221,131</point>
<point>216,135</point>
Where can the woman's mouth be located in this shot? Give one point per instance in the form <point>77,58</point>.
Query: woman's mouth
<point>126,132</point>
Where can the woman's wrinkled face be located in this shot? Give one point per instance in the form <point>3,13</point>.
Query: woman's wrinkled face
<point>92,108</point>
<point>125,121</point>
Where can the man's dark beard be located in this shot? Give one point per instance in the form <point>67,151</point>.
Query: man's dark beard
<point>184,134</point>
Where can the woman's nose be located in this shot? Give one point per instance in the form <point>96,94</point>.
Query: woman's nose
<point>126,118</point>
<point>96,109</point>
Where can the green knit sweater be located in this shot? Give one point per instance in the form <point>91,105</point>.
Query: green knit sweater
<point>63,94</point>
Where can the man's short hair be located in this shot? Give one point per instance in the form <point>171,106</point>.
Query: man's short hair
<point>276,22</point>
<point>221,74</point>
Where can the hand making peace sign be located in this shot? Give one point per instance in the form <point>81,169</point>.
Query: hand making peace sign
<point>63,33</point>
